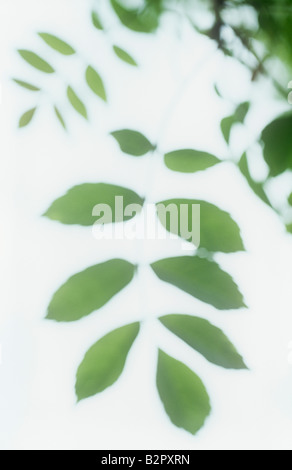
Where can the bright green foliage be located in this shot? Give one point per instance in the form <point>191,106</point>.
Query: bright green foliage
<point>36,61</point>
<point>76,206</point>
<point>205,338</point>
<point>189,161</point>
<point>90,290</point>
<point>96,21</point>
<point>124,56</point>
<point>143,20</point>
<point>182,393</point>
<point>60,117</point>
<point>26,85</point>
<point>202,279</point>
<point>104,362</point>
<point>26,118</point>
<point>218,231</point>
<point>57,44</point>
<point>132,142</point>
<point>95,83</point>
<point>76,102</point>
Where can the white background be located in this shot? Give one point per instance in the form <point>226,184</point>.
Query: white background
<point>251,409</point>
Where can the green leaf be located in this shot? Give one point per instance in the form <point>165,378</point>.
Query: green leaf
<point>237,118</point>
<point>182,393</point>
<point>241,112</point>
<point>277,141</point>
<point>189,161</point>
<point>90,290</point>
<point>95,83</point>
<point>218,231</point>
<point>142,21</point>
<point>123,55</point>
<point>35,61</point>
<point>57,44</point>
<point>105,361</point>
<point>257,188</point>
<point>26,118</point>
<point>205,338</point>
<point>76,206</point>
<point>202,279</point>
<point>133,142</point>
<point>76,102</point>
<point>60,117</point>
<point>26,85</point>
<point>96,21</point>
<point>290,200</point>
<point>289,228</point>
<point>226,126</point>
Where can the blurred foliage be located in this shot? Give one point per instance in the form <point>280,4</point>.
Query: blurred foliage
<point>263,29</point>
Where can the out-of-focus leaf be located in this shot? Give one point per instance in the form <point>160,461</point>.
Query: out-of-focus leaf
<point>26,85</point>
<point>182,393</point>
<point>36,61</point>
<point>257,188</point>
<point>104,362</point>
<point>205,338</point>
<point>289,228</point>
<point>189,161</point>
<point>76,206</point>
<point>226,126</point>
<point>290,199</point>
<point>77,104</point>
<point>202,279</point>
<point>132,142</point>
<point>57,44</point>
<point>237,118</point>
<point>90,290</point>
<point>60,117</point>
<point>123,55</point>
<point>26,117</point>
<point>277,141</point>
<point>218,231</point>
<point>144,20</point>
<point>95,83</point>
<point>96,21</point>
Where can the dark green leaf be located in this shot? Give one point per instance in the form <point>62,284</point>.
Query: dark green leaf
<point>205,338</point>
<point>182,393</point>
<point>257,188</point>
<point>142,21</point>
<point>132,142</point>
<point>217,230</point>
<point>27,117</point>
<point>95,82</point>
<point>90,290</point>
<point>35,61</point>
<point>58,44</point>
<point>76,206</point>
<point>105,361</point>
<point>189,161</point>
<point>123,55</point>
<point>202,279</point>
<point>60,117</point>
<point>277,142</point>
<point>290,199</point>
<point>96,21</point>
<point>76,102</point>
<point>26,85</point>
